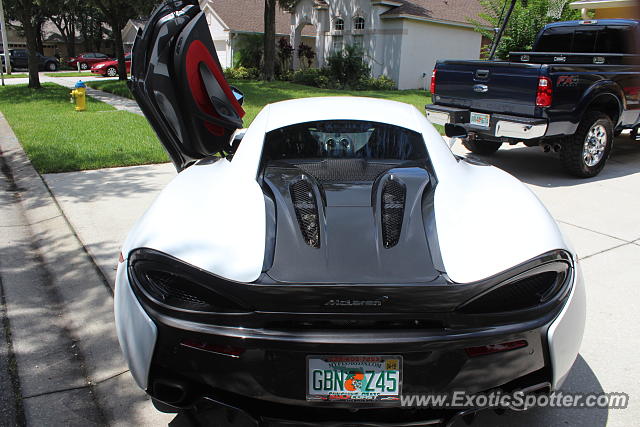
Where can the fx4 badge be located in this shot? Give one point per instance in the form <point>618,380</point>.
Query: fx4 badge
<point>567,81</point>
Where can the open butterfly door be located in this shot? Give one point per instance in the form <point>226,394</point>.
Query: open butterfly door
<point>177,80</point>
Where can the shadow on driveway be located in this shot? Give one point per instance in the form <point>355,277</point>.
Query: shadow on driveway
<point>533,166</point>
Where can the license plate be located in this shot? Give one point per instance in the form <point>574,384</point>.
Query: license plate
<point>354,378</point>
<point>480,119</point>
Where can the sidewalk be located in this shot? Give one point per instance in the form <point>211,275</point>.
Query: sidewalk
<point>60,309</point>
<point>119,102</point>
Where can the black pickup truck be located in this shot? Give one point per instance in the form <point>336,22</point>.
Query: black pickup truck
<point>577,88</point>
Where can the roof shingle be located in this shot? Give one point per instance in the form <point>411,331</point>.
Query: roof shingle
<point>444,10</point>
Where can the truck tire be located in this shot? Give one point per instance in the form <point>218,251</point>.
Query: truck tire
<point>585,152</point>
<point>480,146</point>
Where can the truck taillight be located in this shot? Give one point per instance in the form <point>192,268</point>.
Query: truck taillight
<point>544,95</point>
<point>432,88</point>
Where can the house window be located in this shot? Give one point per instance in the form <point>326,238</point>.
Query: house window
<point>339,24</point>
<point>337,43</point>
<point>358,23</point>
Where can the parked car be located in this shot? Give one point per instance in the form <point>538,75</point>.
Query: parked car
<point>86,60</point>
<point>20,59</point>
<point>110,68</point>
<point>578,88</point>
<point>315,264</point>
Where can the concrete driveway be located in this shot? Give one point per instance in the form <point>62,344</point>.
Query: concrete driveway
<point>599,216</point>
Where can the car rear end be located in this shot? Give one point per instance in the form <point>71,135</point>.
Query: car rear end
<point>493,100</point>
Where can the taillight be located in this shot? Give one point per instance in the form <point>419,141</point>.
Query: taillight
<point>494,348</point>
<point>544,94</point>
<point>432,88</point>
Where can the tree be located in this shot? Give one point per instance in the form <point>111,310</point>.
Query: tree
<point>524,24</point>
<point>64,15</point>
<point>26,11</point>
<point>117,13</point>
<point>269,46</point>
<point>269,49</point>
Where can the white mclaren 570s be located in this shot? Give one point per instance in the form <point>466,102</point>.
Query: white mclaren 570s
<point>331,259</point>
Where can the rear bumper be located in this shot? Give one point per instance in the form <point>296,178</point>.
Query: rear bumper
<point>500,125</point>
<point>267,378</point>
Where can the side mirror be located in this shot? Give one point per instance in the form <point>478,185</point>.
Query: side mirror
<point>455,131</point>
<point>238,94</point>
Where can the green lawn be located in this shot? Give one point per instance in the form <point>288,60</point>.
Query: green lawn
<point>70,74</point>
<point>258,94</point>
<point>16,76</point>
<point>58,139</point>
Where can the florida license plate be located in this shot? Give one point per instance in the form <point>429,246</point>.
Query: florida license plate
<point>354,378</point>
<point>480,119</point>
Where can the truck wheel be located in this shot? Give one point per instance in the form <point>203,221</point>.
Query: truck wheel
<point>585,153</point>
<point>480,146</point>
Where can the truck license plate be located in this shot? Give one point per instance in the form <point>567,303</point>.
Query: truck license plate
<point>480,119</point>
<point>354,378</point>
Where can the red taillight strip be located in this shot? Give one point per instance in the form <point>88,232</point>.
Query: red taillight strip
<point>224,350</point>
<point>544,94</point>
<point>432,87</point>
<point>494,348</point>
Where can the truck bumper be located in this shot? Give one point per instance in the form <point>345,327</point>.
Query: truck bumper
<point>500,125</point>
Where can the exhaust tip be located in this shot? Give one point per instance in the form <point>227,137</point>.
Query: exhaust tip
<point>557,147</point>
<point>546,148</point>
<point>169,391</point>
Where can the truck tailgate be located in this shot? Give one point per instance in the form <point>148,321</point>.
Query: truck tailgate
<point>488,86</point>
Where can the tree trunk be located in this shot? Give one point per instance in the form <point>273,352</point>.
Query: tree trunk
<point>269,39</point>
<point>30,35</point>
<point>39,41</point>
<point>119,51</point>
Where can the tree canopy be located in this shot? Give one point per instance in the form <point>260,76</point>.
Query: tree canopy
<point>525,22</point>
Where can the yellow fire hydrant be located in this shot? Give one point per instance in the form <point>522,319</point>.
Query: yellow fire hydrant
<point>79,94</point>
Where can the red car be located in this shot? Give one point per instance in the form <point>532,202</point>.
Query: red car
<point>110,68</point>
<point>86,60</point>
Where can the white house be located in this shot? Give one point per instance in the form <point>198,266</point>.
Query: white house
<point>402,39</point>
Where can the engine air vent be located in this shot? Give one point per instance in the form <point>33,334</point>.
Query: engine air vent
<point>524,293</point>
<point>393,198</point>
<point>304,202</point>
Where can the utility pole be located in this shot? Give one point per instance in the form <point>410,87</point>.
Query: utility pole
<point>5,44</point>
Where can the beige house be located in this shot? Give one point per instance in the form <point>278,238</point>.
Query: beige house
<point>608,8</point>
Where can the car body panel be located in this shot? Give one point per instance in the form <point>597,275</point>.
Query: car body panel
<point>137,333</point>
<point>101,67</point>
<point>89,58</point>
<point>218,228</point>
<point>566,332</point>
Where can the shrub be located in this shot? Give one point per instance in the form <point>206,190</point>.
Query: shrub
<point>249,51</point>
<point>347,68</point>
<point>381,83</point>
<point>309,77</point>
<point>241,73</point>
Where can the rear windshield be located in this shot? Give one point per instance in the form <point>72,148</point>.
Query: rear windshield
<point>344,139</point>
<point>587,39</point>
